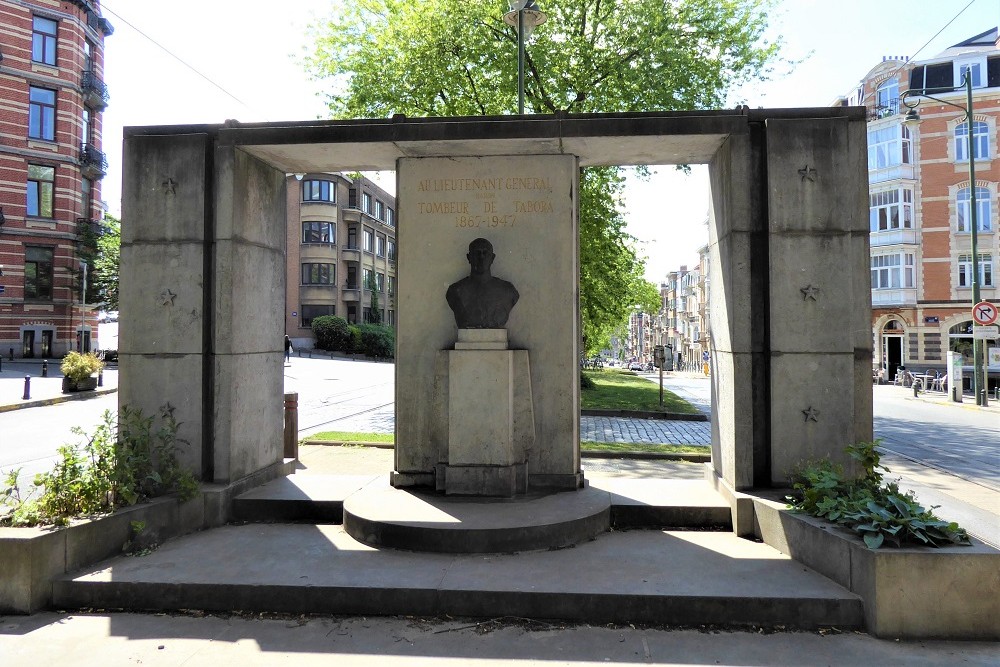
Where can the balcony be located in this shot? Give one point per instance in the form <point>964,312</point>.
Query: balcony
<point>893,237</point>
<point>894,297</point>
<point>880,111</point>
<point>350,254</point>
<point>351,292</point>
<point>93,163</point>
<point>95,92</point>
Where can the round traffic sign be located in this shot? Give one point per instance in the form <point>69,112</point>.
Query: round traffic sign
<point>984,313</point>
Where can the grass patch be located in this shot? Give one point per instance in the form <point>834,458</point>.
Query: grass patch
<point>623,390</point>
<point>353,436</point>
<point>642,447</point>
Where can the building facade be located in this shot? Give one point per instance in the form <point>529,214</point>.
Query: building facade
<point>920,202</point>
<point>341,249</point>
<point>52,95</point>
<point>682,323</point>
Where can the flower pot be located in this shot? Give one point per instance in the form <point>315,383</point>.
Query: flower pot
<point>86,384</point>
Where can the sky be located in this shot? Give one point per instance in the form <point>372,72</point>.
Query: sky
<point>242,62</point>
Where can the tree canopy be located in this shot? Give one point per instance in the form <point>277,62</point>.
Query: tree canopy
<point>458,58</point>
<point>101,249</point>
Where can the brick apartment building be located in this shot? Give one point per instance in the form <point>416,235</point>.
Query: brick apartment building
<point>920,198</point>
<point>341,242</point>
<point>51,98</point>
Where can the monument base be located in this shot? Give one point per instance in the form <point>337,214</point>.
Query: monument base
<point>482,480</point>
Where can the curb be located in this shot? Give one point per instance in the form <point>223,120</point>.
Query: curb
<point>645,414</point>
<point>643,455</point>
<point>79,396</point>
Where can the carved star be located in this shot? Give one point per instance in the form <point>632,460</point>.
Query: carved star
<point>809,292</point>
<point>167,297</point>
<point>811,414</point>
<point>808,174</point>
<point>167,410</point>
<point>169,187</point>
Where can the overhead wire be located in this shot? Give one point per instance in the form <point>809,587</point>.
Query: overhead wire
<point>105,7</point>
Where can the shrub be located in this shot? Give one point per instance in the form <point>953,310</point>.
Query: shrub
<point>879,512</point>
<point>332,333</point>
<point>376,340</point>
<point>78,367</point>
<point>585,381</point>
<point>124,462</point>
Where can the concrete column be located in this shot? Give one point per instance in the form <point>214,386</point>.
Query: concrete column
<point>819,291</point>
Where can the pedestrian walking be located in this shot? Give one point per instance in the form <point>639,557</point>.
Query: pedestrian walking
<point>288,349</point>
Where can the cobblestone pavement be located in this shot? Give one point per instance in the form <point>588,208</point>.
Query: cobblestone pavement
<point>592,429</point>
<point>649,431</point>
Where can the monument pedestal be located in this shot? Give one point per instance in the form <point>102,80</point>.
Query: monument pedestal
<point>490,417</point>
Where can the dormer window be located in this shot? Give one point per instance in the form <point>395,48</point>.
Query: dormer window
<point>976,67</point>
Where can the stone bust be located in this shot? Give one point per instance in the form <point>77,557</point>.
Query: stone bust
<point>481,300</point>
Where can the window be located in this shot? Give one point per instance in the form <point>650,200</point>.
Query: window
<point>85,127</point>
<point>318,191</point>
<point>352,198</point>
<point>309,313</point>
<point>352,238</point>
<point>41,113</point>
<point>368,278</point>
<point>392,286</point>
<point>380,282</point>
<point>369,240</point>
<point>976,68</point>
<point>888,212</point>
<point>86,197</point>
<point>38,273</point>
<point>888,147</point>
<point>390,217</point>
<point>380,210</point>
<point>352,277</point>
<point>892,271</point>
<point>43,40</point>
<point>887,99</point>
<point>392,250</point>
<point>390,318</point>
<point>985,270</point>
<point>318,232</point>
<point>41,184</point>
<point>367,201</point>
<point>380,245</point>
<point>319,274</point>
<point>980,141</point>
<point>964,209</point>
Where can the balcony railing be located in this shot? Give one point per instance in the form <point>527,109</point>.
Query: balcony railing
<point>880,111</point>
<point>92,226</point>
<point>95,92</point>
<point>93,163</point>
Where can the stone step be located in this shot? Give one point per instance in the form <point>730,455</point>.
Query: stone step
<point>634,503</point>
<point>635,576</point>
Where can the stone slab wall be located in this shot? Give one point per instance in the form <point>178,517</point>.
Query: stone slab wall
<point>526,207</point>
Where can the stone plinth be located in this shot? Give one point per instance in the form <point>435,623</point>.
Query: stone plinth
<point>485,458</point>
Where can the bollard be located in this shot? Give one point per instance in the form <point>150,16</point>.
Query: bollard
<point>100,378</point>
<point>27,388</point>
<point>291,437</point>
<point>12,354</point>
<point>916,388</point>
<point>45,368</point>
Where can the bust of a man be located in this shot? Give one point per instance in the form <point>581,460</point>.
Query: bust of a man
<point>481,301</point>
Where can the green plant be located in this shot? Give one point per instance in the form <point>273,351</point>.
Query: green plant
<point>585,381</point>
<point>332,333</point>
<point>376,340</point>
<point>878,511</point>
<point>78,367</point>
<point>125,461</point>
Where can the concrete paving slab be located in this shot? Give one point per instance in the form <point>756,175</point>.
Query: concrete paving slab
<point>317,498</point>
<point>633,576</point>
<point>303,641</point>
<point>668,503</point>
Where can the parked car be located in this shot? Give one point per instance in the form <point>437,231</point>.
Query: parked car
<point>635,366</point>
<point>107,316</point>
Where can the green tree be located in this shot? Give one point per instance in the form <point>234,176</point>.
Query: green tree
<point>374,310</point>
<point>100,247</point>
<point>458,57</point>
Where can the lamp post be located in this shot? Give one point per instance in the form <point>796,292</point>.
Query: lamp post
<point>525,16</point>
<point>912,119</point>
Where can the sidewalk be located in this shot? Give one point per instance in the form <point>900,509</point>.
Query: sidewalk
<point>44,390</point>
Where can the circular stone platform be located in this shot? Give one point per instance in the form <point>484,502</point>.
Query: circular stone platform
<point>425,521</point>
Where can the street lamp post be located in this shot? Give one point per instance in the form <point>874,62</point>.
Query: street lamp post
<point>912,119</point>
<point>525,15</point>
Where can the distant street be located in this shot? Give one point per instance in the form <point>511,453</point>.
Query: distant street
<point>947,453</point>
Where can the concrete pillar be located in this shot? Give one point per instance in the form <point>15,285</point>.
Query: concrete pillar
<point>202,297</point>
